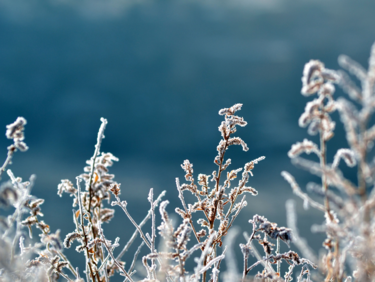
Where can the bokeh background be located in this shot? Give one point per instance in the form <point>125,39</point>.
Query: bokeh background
<point>159,71</point>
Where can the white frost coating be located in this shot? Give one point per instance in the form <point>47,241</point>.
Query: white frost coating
<point>312,77</point>
<point>205,253</point>
<point>353,67</point>
<point>306,146</point>
<point>230,258</point>
<point>347,155</point>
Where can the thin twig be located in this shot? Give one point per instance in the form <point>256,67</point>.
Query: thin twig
<point>277,253</point>
<point>297,190</point>
<point>135,257</point>
<point>153,235</point>
<point>8,160</point>
<point>103,241</point>
<point>123,206</point>
<point>211,262</point>
<point>88,264</point>
<point>148,216</point>
<point>96,153</point>
<point>182,199</point>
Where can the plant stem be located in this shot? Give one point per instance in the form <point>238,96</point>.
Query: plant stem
<point>323,157</point>
<point>277,253</point>
<point>11,150</point>
<point>88,263</point>
<point>362,162</point>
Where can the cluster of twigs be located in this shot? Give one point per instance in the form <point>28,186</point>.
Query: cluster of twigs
<point>218,205</point>
<point>206,231</point>
<point>348,207</point>
<point>15,257</point>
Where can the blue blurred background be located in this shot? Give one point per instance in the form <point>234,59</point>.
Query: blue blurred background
<point>159,71</point>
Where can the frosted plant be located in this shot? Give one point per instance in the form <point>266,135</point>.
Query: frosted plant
<point>16,258</point>
<point>205,234</point>
<point>217,203</point>
<point>94,195</point>
<point>221,203</point>
<point>349,209</point>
